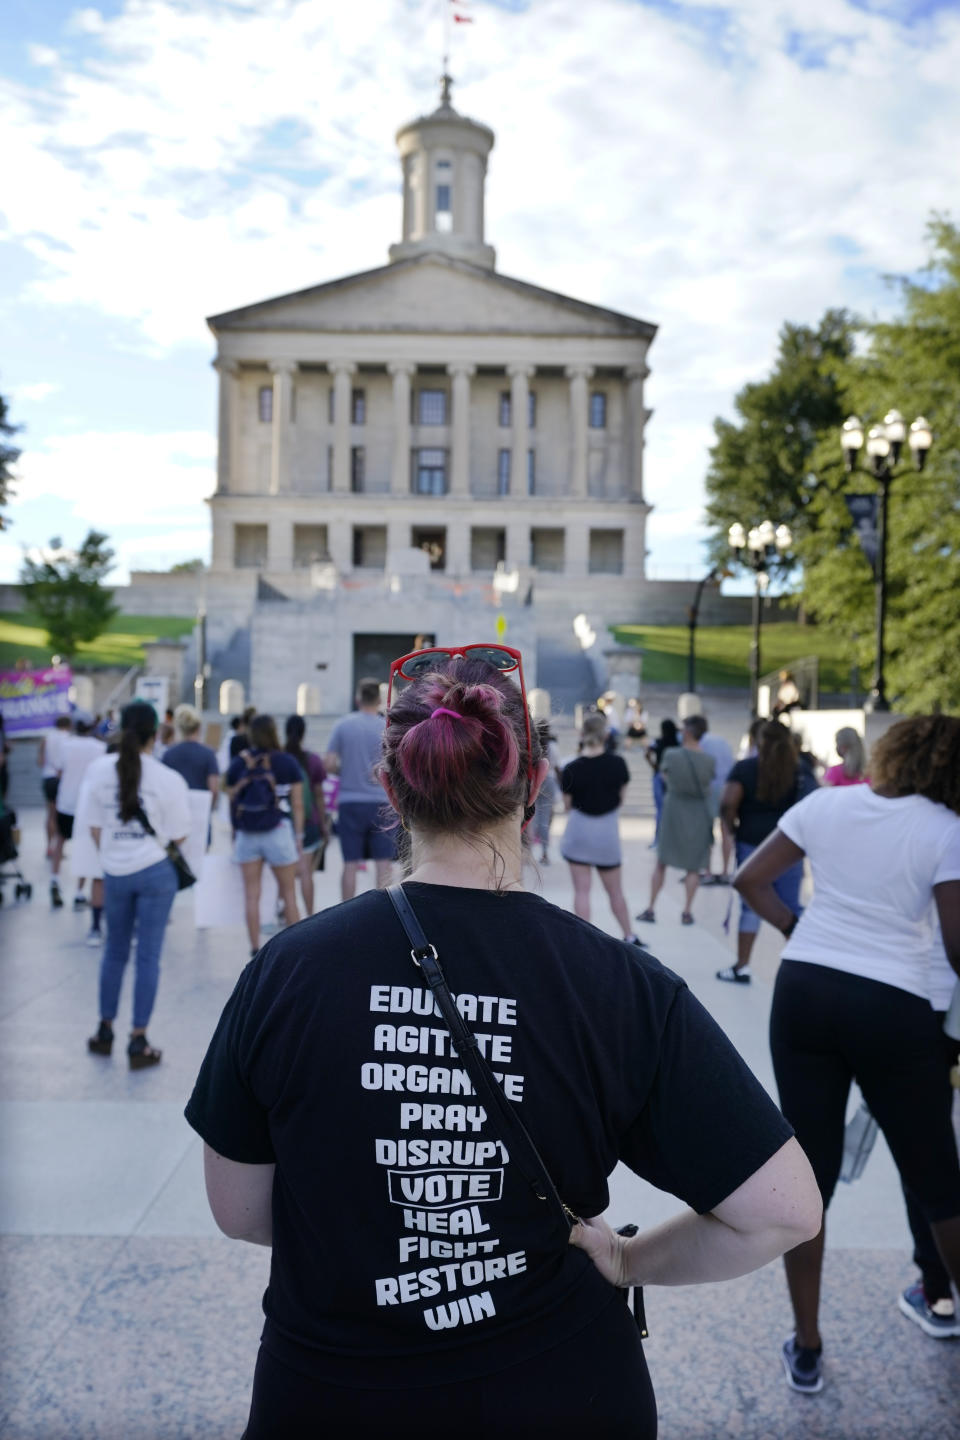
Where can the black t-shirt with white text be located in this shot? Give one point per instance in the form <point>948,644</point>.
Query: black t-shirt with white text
<point>407,1249</point>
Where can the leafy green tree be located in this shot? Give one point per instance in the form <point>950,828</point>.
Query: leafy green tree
<point>187,567</point>
<point>66,589</point>
<point>760,465</point>
<point>912,363</point>
<point>9,456</point>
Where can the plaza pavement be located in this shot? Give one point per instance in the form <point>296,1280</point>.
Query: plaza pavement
<point>125,1313</point>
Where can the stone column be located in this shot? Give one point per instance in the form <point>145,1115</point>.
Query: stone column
<point>461,375</point>
<point>343,372</point>
<point>228,454</point>
<point>576,551</point>
<point>280,544</point>
<point>636,419</point>
<point>520,423</point>
<point>457,547</point>
<point>579,377</point>
<point>401,371</point>
<point>518,545</point>
<point>283,372</point>
<point>340,545</point>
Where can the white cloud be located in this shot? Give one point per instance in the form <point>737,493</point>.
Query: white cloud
<point>37,391</point>
<point>211,155</point>
<point>106,479</point>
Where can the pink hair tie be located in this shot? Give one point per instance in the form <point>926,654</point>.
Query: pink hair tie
<point>442,710</point>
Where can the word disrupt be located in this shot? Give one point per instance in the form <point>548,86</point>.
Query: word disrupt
<point>423,1284</point>
<point>439,1152</point>
<point>403,1000</point>
<point>431,1080</point>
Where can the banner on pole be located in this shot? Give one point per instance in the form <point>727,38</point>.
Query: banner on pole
<point>865,514</point>
<point>32,699</point>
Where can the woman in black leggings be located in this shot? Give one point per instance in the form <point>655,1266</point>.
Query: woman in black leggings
<point>851,999</point>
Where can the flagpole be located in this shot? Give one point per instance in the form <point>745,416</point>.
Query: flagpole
<point>446,36</point>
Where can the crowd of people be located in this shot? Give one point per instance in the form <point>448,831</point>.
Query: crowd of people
<point>606,1050</point>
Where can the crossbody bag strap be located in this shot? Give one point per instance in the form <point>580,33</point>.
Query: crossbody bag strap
<point>501,1114</point>
<point>141,815</point>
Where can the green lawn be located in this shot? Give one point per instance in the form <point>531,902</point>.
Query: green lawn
<point>22,635</point>
<point>723,652</point>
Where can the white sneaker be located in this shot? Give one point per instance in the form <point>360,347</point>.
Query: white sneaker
<point>94,939</point>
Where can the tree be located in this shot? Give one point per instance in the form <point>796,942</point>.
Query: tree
<point>188,567</point>
<point>760,466</point>
<point>9,456</point>
<point>912,363</point>
<point>66,590</point>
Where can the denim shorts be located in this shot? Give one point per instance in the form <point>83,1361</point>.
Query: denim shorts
<point>277,846</point>
<point>360,827</point>
<point>786,885</point>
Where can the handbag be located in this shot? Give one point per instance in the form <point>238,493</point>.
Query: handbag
<point>506,1123</point>
<point>185,876</point>
<point>859,1137</point>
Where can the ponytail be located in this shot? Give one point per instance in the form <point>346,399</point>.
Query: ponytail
<point>296,729</point>
<point>138,725</point>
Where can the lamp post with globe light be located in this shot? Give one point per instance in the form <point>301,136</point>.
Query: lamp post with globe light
<point>759,548</point>
<point>884,445</point>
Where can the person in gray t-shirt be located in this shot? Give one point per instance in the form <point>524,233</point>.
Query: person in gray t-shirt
<point>364,822</point>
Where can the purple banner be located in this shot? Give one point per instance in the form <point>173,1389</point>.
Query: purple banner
<point>32,699</point>
<point>865,514</point>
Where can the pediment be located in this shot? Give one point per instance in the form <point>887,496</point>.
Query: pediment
<point>431,294</point>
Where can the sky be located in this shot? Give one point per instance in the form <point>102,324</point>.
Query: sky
<point>714,168</point>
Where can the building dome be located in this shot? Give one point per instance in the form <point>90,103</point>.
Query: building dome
<point>444,160</point>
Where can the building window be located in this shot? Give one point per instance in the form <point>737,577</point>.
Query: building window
<point>265,403</point>
<point>358,468</point>
<point>598,410</point>
<point>443,197</point>
<point>546,549</point>
<point>606,552</point>
<point>432,408</point>
<point>504,407</point>
<point>531,472</point>
<point>503,472</point>
<point>488,548</point>
<point>309,546</point>
<point>249,547</point>
<point>430,472</point>
<point>433,543</point>
<point>532,409</point>
<point>329,467</point>
<point>330,405</point>
<point>369,547</point>
<point>358,407</point>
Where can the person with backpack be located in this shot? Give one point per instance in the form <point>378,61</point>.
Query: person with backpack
<point>265,789</point>
<point>316,823</point>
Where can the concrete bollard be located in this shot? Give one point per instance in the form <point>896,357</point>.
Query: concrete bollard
<point>308,700</point>
<point>231,698</point>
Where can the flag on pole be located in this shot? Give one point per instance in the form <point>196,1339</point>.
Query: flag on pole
<point>459,10</point>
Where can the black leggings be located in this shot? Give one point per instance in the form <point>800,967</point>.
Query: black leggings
<point>828,1027</point>
<point>594,1384</point>
<point>926,1256</point>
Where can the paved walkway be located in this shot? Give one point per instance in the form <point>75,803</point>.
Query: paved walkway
<point>127,1315</point>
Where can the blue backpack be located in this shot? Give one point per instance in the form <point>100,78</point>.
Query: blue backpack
<point>255,804</point>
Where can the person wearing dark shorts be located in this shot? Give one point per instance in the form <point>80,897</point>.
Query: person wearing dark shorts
<point>366,829</point>
<point>418,1285</point>
<point>593,786</point>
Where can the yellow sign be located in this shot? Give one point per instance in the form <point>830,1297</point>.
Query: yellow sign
<point>501,626</point>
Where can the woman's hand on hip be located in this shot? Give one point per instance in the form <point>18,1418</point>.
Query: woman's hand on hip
<point>604,1247</point>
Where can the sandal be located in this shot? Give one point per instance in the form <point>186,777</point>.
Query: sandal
<point>102,1042</point>
<point>647,916</point>
<point>686,918</point>
<point>141,1054</point>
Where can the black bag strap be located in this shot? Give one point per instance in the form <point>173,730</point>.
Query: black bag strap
<point>501,1114</point>
<point>141,815</point>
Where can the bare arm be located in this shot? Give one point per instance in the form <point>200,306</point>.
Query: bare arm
<point>731,798</point>
<point>331,762</point>
<point>296,804</point>
<point>947,897</point>
<point>240,1197</point>
<point>213,785</point>
<point>777,1208</point>
<point>754,880</point>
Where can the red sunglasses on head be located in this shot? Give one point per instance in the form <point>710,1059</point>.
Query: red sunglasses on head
<point>499,657</point>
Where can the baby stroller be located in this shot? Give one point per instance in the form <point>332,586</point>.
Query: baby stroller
<point>9,836</point>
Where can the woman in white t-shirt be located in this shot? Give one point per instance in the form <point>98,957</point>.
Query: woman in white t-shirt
<point>139,881</point>
<point>852,998</point>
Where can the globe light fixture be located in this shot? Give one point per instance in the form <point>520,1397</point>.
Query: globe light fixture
<point>851,439</point>
<point>920,440</point>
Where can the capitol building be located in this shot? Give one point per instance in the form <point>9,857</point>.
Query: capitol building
<point>429,446</point>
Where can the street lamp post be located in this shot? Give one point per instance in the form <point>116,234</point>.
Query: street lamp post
<point>692,614</point>
<point>759,548</point>
<point>884,447</point>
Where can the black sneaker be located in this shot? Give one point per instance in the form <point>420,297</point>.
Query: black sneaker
<point>803,1368</point>
<point>80,902</point>
<point>56,899</point>
<point>730,972</point>
<point>938,1320</point>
